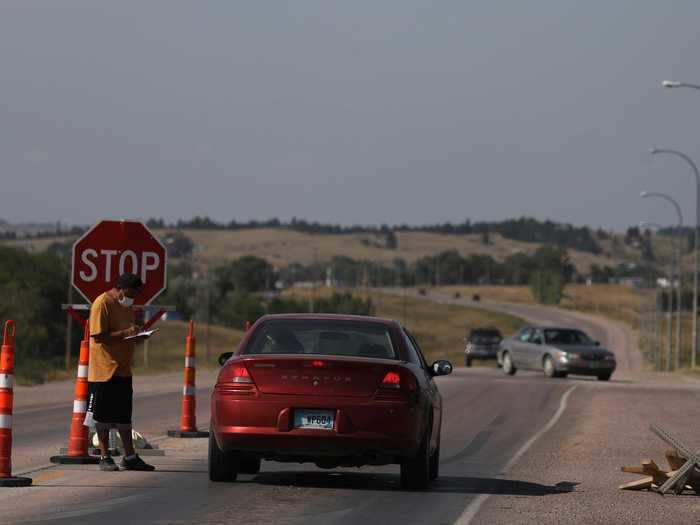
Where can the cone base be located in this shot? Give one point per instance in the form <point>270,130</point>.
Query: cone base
<point>188,434</point>
<point>14,481</point>
<point>75,460</point>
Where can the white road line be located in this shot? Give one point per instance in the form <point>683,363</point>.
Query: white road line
<point>473,508</point>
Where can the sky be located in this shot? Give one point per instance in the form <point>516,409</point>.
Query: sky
<point>348,112</point>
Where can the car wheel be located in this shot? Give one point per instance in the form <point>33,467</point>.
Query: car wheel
<point>467,361</point>
<point>508,366</point>
<point>222,465</point>
<point>415,472</point>
<point>604,377</point>
<point>435,463</point>
<point>549,370</point>
<point>249,466</point>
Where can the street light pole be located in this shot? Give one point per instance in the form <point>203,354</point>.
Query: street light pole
<point>675,84</point>
<point>679,230</point>
<point>689,161</point>
<point>657,331</point>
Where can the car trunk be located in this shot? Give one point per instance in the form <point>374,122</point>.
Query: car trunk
<point>318,376</point>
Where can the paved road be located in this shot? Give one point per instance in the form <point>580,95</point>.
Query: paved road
<point>491,425</point>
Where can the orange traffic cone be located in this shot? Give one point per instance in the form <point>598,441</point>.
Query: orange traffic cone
<point>188,423</point>
<point>7,376</point>
<point>77,452</point>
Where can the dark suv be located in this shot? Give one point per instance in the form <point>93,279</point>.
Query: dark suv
<point>482,343</point>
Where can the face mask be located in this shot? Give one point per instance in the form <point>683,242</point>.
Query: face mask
<point>126,301</point>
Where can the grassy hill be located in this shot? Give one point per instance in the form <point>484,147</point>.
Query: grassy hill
<point>282,246</point>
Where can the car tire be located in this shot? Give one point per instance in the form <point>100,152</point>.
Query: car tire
<point>467,361</point>
<point>604,377</point>
<point>249,466</point>
<point>415,471</point>
<point>223,466</point>
<point>549,369</point>
<point>507,365</point>
<point>435,464</point>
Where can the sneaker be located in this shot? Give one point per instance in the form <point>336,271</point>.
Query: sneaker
<point>136,464</point>
<point>107,464</point>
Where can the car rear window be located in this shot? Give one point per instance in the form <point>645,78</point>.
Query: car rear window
<point>566,337</point>
<point>322,337</point>
<point>485,336</point>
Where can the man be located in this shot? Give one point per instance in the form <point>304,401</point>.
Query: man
<point>109,374</point>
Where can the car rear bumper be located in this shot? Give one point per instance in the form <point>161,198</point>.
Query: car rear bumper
<point>263,424</point>
<point>481,352</point>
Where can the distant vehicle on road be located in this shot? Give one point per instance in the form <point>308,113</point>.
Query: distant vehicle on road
<point>327,389</point>
<point>556,351</point>
<point>482,343</point>
<point>422,291</point>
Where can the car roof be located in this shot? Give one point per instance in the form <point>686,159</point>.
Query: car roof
<point>485,329</point>
<point>551,327</point>
<point>328,317</point>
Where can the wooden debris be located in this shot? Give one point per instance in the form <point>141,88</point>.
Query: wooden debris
<point>654,477</point>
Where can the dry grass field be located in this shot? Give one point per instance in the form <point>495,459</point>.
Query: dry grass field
<point>166,349</point>
<point>282,247</point>
<point>609,300</point>
<point>165,352</point>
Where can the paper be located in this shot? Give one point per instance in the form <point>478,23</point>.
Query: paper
<point>142,335</point>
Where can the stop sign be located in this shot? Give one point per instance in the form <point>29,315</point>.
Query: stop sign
<point>111,248</point>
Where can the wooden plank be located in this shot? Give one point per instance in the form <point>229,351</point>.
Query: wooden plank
<point>639,484</point>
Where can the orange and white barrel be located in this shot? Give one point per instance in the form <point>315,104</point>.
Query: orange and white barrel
<point>188,420</point>
<point>78,452</point>
<point>7,379</point>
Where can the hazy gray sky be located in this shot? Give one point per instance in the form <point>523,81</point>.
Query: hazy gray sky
<point>362,111</point>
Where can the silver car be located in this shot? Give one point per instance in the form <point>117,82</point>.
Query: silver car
<point>557,351</point>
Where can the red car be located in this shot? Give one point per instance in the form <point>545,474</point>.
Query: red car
<point>327,389</point>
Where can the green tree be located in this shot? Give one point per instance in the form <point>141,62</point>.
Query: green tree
<point>245,274</point>
<point>553,271</point>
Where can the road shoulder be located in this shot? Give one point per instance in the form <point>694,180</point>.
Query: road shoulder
<point>603,429</point>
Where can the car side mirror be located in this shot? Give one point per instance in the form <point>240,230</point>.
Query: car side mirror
<point>224,357</point>
<point>597,343</point>
<point>441,368</point>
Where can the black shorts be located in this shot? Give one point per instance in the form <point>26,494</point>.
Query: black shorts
<point>111,401</point>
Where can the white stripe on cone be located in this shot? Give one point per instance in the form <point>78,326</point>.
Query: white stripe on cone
<point>82,371</point>
<point>189,362</point>
<point>6,380</point>
<point>188,390</point>
<point>79,407</point>
<point>5,421</point>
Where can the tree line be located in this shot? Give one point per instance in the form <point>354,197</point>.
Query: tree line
<point>524,229</point>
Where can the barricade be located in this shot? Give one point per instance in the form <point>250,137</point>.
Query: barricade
<point>188,423</point>
<point>77,452</point>
<point>7,377</point>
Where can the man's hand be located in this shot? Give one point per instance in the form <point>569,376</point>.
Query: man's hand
<point>131,331</point>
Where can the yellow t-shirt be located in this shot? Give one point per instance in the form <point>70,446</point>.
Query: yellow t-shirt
<point>109,359</point>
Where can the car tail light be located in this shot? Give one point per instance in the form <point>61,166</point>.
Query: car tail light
<point>235,380</point>
<point>241,375</point>
<point>392,380</point>
<point>318,363</point>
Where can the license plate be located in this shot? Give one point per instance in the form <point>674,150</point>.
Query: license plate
<point>319,419</point>
<point>593,365</point>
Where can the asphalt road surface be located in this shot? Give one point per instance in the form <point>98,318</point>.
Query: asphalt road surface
<point>493,428</point>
